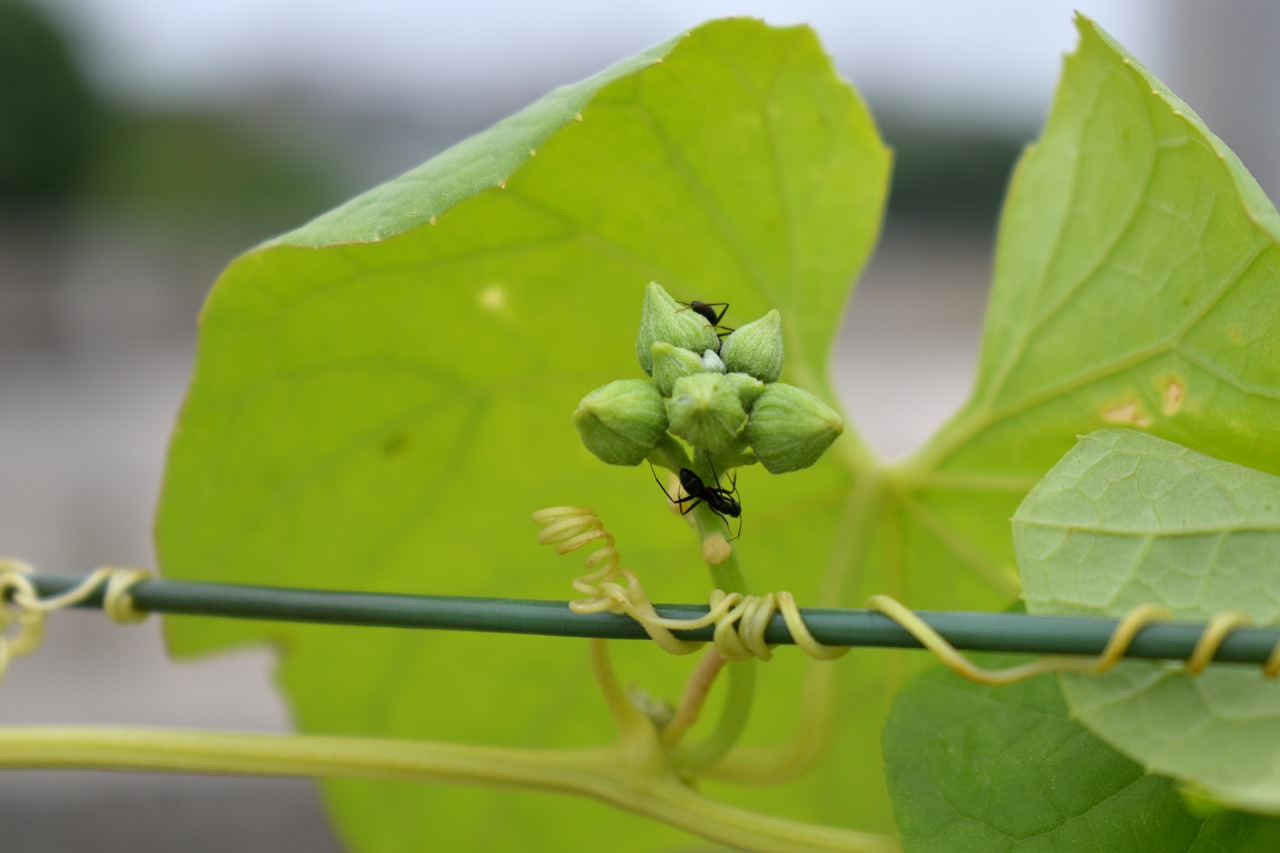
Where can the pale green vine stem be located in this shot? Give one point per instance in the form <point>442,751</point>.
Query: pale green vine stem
<point>740,625</point>
<point>771,765</point>
<point>601,773</point>
<point>636,773</point>
<point>813,731</point>
<point>695,694</point>
<point>741,676</point>
<point>809,744</point>
<point>626,716</point>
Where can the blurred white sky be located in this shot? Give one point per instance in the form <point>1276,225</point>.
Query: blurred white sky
<point>988,60</point>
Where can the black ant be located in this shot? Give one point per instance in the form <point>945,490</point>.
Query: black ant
<point>707,310</point>
<point>719,500</point>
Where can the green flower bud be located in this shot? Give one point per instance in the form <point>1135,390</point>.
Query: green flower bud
<point>670,363</point>
<point>705,411</point>
<point>756,348</point>
<point>749,388</point>
<point>790,428</point>
<point>622,422</point>
<point>664,319</point>
<point>711,362</point>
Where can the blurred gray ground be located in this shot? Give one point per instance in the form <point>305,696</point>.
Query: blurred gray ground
<point>96,334</point>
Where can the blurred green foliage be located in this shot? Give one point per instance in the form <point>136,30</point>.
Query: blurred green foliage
<point>950,175</point>
<point>62,145</point>
<point>50,123</point>
<point>192,168</point>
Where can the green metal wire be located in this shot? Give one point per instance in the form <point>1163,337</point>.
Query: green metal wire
<point>969,631</point>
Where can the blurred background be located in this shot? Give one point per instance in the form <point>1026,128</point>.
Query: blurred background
<point>144,143</point>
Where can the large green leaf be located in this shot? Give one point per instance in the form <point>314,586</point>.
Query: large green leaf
<point>1134,270</point>
<point>986,769</point>
<point>1126,519</point>
<point>383,396</point>
<point>1135,265</point>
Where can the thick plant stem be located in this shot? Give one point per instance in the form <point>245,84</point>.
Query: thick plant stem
<point>739,695</point>
<point>741,677</point>
<point>695,694</point>
<point>626,716</point>
<point>815,728</point>
<point>650,788</point>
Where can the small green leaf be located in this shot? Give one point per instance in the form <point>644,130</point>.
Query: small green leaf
<point>982,769</point>
<point>1126,519</point>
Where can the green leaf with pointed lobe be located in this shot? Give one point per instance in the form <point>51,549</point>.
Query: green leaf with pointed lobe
<point>1134,271</point>
<point>1126,519</point>
<point>379,400</point>
<point>986,769</point>
<point>1135,282</point>
<point>382,396</point>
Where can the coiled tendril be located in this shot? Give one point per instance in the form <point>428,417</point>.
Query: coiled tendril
<point>1126,631</point>
<point>22,608</point>
<point>740,621</point>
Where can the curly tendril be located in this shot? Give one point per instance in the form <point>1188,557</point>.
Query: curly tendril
<point>23,610</point>
<point>1211,639</point>
<point>740,620</point>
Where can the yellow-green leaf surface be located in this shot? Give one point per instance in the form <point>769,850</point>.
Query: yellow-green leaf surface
<point>383,396</point>
<point>984,769</point>
<point>1127,519</point>
<point>1135,284</point>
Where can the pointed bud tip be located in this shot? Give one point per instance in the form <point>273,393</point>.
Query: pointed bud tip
<point>706,411</point>
<point>671,363</point>
<point>756,348</point>
<point>664,319</point>
<point>790,429</point>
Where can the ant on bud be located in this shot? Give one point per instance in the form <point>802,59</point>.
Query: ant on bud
<point>707,310</point>
<point>719,500</point>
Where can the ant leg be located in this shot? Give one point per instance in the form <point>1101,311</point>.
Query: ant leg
<point>733,478</point>
<point>717,316</point>
<point>733,487</point>
<point>685,510</point>
<point>678,501</point>
<point>654,472</point>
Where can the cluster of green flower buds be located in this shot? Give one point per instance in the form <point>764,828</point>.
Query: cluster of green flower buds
<point>720,396</point>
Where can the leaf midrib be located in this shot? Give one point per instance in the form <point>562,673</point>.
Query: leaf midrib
<point>1153,533</point>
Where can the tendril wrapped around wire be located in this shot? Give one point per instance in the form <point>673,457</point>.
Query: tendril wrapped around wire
<point>1219,627</point>
<point>741,621</point>
<point>22,608</point>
